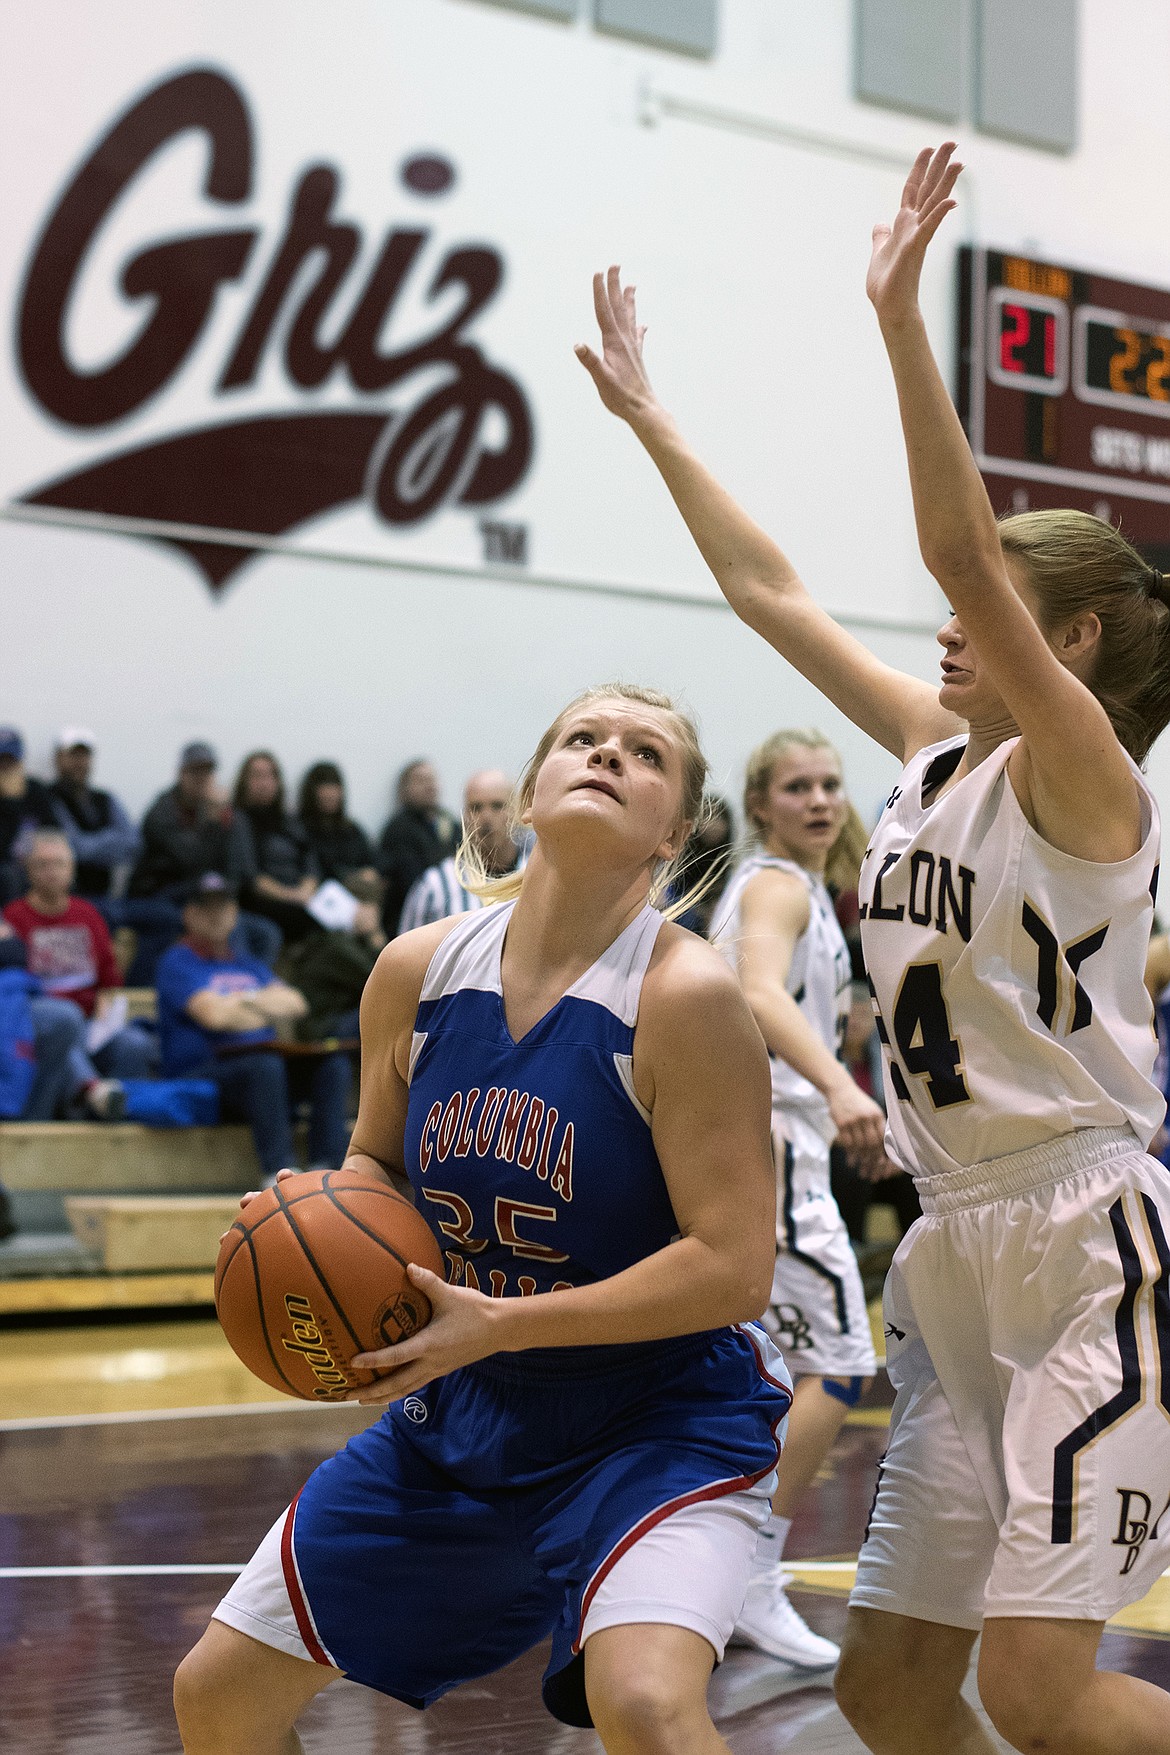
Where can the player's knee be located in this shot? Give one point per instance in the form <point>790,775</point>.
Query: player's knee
<point>865,1689</point>
<point>202,1704</point>
<point>1022,1719</point>
<point>846,1389</point>
<point>891,1668</point>
<point>643,1712</point>
<point>1029,1706</point>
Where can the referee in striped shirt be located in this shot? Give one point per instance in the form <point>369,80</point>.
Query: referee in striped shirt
<point>438,894</point>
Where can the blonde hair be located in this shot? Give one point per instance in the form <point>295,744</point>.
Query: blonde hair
<point>1076,563</point>
<point>473,873</point>
<point>843,861</point>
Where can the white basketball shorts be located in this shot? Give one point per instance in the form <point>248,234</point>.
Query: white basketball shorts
<point>816,1314</point>
<point>1028,1339</point>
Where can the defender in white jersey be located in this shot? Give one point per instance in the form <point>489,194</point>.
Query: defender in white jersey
<point>776,925</point>
<point>1026,1491</point>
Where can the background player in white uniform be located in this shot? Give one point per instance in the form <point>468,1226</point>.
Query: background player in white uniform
<point>776,925</point>
<point>1029,1310</point>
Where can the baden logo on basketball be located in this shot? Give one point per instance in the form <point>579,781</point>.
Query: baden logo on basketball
<point>399,1317</point>
<point>308,1339</point>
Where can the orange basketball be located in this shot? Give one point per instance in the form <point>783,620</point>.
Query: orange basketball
<point>314,1271</point>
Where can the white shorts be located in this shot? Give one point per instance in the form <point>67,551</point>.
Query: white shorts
<point>691,1570</point>
<point>1028,1339</point>
<point>816,1314</point>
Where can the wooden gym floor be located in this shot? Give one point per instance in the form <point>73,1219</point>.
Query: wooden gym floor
<point>139,1467</point>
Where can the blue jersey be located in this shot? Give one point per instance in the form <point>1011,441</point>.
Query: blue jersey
<point>482,1514</point>
<point>533,1160</point>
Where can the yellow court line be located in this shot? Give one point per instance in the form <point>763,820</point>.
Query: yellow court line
<point>835,1578</point>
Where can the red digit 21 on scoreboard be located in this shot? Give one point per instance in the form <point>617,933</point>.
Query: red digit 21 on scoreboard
<point>1064,390</point>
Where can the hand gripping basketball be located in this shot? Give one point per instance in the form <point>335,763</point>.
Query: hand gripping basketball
<point>314,1271</point>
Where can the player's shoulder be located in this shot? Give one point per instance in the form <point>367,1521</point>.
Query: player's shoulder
<point>403,963</point>
<point>687,971</point>
<point>778,893</point>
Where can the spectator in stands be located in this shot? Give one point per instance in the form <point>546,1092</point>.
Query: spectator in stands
<point>70,953</point>
<point>44,1031</point>
<point>189,830</point>
<point>66,1083</point>
<point>100,833</point>
<point>341,847</point>
<point>217,1011</point>
<point>25,805</point>
<point>331,968</point>
<point>487,824</point>
<point>419,834</point>
<point>280,871</point>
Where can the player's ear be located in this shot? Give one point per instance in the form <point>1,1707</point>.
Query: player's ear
<point>674,843</point>
<point>1079,638</point>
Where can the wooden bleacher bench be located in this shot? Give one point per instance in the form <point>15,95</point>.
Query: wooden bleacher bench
<point>145,1205</point>
<point>141,1003</point>
<point>123,1157</point>
<point>151,1233</point>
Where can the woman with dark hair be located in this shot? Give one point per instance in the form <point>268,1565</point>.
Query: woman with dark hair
<point>341,846</point>
<point>280,871</point>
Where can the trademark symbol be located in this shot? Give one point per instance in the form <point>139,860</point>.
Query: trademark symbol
<point>504,542</point>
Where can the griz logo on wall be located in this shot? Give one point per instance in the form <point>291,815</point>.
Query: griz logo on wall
<point>270,473</point>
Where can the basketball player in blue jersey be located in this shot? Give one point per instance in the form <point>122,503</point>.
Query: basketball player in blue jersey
<point>776,925</point>
<point>1007,905</point>
<point>583,1440</point>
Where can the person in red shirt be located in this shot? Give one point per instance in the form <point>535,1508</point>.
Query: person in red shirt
<point>70,952</point>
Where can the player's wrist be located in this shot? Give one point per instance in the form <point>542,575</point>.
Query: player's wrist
<point>508,1324</point>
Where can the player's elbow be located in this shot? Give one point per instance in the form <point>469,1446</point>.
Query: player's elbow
<point>754,1284</point>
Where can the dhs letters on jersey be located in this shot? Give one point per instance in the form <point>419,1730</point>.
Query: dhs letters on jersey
<point>425,421</point>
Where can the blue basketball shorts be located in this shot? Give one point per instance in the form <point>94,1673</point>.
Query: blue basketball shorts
<point>494,1509</point>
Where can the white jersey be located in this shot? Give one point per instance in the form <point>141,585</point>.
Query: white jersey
<point>1007,975</point>
<point>818,978</point>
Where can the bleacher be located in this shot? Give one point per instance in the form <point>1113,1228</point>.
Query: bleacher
<point>114,1214</point>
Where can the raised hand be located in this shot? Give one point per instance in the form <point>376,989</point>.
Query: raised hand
<point>899,250</point>
<point>619,374</point>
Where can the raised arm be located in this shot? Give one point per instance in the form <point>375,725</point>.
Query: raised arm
<point>759,582</point>
<point>1069,772</point>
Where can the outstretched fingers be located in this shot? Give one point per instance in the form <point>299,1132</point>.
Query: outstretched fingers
<point>602,308</point>
<point>938,168</point>
<point>914,181</point>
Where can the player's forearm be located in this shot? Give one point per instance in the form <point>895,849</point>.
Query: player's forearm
<point>791,1038</point>
<point>686,1288</point>
<point>381,1169</point>
<point>750,570</point>
<point>956,525</point>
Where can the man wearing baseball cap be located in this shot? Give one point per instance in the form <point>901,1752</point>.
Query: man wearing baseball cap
<point>98,829</point>
<point>188,830</point>
<point>25,805</point>
<point>217,1008</point>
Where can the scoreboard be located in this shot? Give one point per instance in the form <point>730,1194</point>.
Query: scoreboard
<point>1064,390</point>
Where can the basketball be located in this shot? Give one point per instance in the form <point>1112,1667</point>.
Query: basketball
<point>313,1272</point>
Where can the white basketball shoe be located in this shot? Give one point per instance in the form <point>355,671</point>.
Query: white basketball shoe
<point>768,1622</point>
